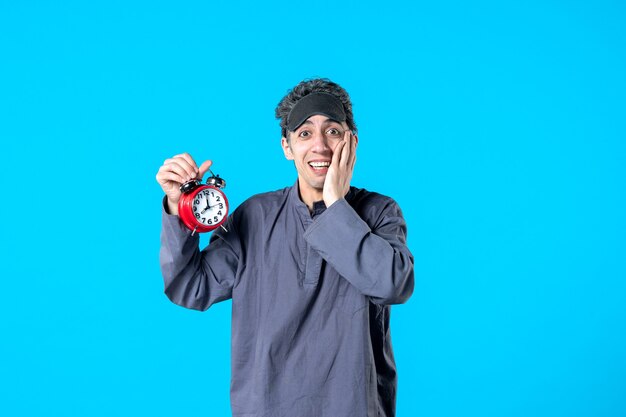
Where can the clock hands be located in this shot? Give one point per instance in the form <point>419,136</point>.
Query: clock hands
<point>208,205</point>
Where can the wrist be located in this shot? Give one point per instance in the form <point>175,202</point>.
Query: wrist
<point>330,200</point>
<point>171,207</point>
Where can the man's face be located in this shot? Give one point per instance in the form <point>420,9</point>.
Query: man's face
<point>311,147</point>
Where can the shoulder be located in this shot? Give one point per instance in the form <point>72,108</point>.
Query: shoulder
<point>372,206</point>
<point>267,199</point>
<point>362,198</point>
<point>254,211</point>
<point>259,204</point>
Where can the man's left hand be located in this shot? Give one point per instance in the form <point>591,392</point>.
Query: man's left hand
<point>337,182</point>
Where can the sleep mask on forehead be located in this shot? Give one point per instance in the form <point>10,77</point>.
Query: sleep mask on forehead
<point>315,103</point>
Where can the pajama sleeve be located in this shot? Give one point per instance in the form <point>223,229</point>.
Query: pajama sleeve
<point>375,260</point>
<point>194,278</point>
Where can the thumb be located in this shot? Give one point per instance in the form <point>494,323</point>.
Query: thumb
<point>204,168</point>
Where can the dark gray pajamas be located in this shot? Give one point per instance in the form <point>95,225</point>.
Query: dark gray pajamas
<point>310,300</point>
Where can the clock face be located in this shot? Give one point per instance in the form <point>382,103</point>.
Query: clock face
<point>209,206</point>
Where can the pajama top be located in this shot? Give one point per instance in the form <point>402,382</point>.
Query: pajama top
<point>311,295</point>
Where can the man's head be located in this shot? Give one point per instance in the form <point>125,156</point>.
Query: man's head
<point>306,87</point>
<point>315,117</point>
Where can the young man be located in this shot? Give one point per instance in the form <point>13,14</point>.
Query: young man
<point>311,269</point>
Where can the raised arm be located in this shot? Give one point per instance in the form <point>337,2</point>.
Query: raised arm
<point>375,260</point>
<point>193,278</point>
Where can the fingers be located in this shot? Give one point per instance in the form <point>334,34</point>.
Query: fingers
<point>187,163</point>
<point>171,172</point>
<point>182,168</point>
<point>354,141</point>
<point>182,165</point>
<point>206,165</point>
<point>179,168</point>
<point>187,158</point>
<point>337,182</point>
<point>164,175</point>
<point>348,151</point>
<point>337,153</point>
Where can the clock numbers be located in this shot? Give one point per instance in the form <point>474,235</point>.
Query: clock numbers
<point>208,207</point>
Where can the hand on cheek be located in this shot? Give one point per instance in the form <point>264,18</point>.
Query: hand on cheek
<point>337,183</point>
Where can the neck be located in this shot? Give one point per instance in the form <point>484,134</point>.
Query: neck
<point>309,195</point>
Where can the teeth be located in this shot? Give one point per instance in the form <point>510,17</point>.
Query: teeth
<point>319,164</point>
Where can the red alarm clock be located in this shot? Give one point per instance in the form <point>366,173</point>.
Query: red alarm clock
<point>203,207</point>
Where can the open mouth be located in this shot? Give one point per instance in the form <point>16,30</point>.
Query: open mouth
<point>319,166</point>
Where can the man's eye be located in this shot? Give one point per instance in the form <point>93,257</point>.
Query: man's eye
<point>304,134</point>
<point>334,132</point>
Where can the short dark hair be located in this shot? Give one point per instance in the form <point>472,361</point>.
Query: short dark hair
<point>321,85</point>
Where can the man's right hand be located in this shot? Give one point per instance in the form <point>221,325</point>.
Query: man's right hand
<point>176,171</point>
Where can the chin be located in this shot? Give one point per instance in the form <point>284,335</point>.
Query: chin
<point>316,185</point>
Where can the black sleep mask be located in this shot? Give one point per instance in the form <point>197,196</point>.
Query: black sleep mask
<point>315,103</point>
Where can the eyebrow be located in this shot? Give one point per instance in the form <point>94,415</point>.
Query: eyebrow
<point>327,121</point>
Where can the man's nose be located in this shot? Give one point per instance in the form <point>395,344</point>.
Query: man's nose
<point>320,142</point>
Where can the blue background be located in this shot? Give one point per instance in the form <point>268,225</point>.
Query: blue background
<point>499,127</point>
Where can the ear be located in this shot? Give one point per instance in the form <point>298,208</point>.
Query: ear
<point>286,148</point>
<point>356,138</point>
